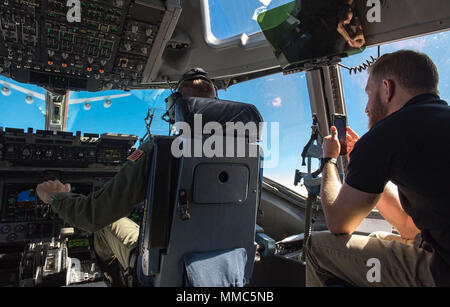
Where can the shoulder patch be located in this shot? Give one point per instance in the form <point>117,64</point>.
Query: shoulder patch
<point>136,155</point>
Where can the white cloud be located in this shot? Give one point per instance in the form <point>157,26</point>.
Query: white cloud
<point>277,102</point>
<point>361,79</point>
<point>265,2</point>
<point>415,43</point>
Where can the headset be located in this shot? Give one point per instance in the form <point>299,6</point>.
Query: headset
<point>193,74</point>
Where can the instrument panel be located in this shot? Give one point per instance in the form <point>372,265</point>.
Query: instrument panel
<point>100,45</point>
<point>37,248</point>
<point>63,149</point>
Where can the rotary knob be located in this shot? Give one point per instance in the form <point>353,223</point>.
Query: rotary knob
<point>5,229</point>
<point>19,228</point>
<point>26,152</point>
<point>11,237</point>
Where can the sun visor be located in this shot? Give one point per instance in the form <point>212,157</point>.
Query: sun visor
<point>220,111</point>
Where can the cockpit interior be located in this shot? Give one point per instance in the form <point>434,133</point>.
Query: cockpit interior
<point>96,74</point>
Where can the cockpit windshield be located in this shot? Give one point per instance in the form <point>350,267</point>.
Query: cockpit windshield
<point>234,17</point>
<point>124,115</point>
<point>280,99</point>
<point>436,46</point>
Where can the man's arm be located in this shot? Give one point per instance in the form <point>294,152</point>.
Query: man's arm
<point>391,209</point>
<point>99,209</point>
<point>389,204</point>
<point>344,206</point>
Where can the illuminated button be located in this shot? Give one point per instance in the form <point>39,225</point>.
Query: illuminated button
<point>50,62</point>
<point>102,71</point>
<point>89,69</point>
<point>64,65</point>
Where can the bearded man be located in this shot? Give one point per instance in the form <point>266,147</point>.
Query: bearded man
<point>400,168</point>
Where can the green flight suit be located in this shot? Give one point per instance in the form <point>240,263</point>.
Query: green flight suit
<point>103,212</point>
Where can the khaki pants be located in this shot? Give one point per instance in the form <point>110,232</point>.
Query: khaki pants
<point>383,260</point>
<point>117,241</point>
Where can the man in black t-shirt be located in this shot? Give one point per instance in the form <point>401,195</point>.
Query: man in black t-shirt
<point>407,144</point>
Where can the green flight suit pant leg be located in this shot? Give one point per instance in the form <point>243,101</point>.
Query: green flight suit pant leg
<point>117,241</point>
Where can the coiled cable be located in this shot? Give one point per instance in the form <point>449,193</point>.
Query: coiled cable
<point>364,66</point>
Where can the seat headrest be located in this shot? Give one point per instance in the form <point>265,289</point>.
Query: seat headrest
<point>216,110</point>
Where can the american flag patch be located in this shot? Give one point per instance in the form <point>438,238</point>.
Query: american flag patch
<point>135,155</point>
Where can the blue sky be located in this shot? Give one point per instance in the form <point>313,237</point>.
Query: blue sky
<point>279,98</point>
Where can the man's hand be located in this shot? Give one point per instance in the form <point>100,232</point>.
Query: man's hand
<point>47,189</point>
<point>352,138</point>
<point>331,147</point>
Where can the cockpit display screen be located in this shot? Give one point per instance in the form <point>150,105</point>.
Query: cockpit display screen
<point>312,32</point>
<point>26,199</point>
<point>21,204</point>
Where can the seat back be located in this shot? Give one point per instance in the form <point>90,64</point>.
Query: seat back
<point>200,212</point>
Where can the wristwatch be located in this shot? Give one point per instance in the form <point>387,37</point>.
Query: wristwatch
<point>324,161</point>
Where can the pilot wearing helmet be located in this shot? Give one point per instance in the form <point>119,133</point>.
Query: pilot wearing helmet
<point>104,212</point>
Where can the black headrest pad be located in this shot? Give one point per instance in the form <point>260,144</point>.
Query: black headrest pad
<point>216,110</point>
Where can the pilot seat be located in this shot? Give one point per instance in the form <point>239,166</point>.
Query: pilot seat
<point>200,212</point>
